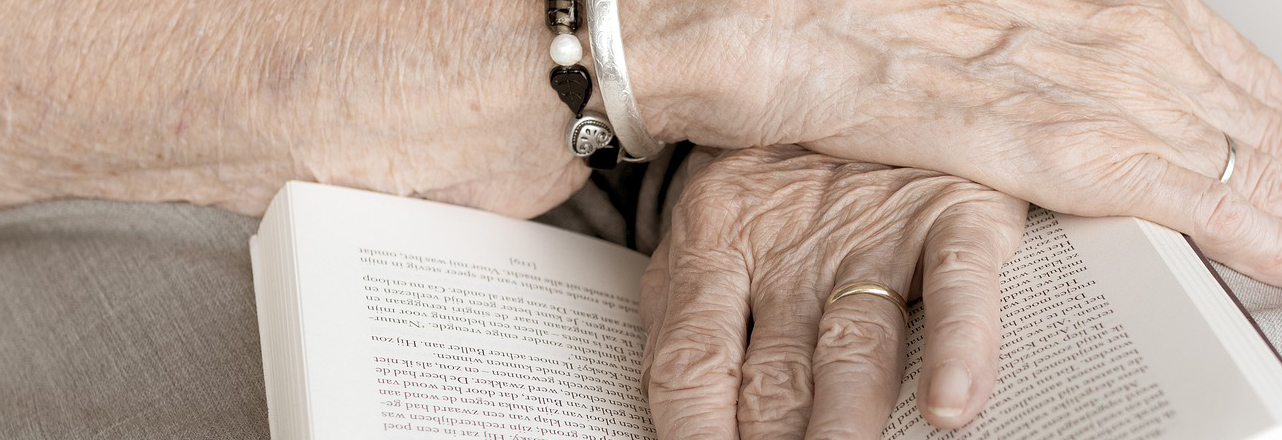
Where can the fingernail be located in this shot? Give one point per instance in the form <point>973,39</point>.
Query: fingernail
<point>949,390</point>
<point>645,383</point>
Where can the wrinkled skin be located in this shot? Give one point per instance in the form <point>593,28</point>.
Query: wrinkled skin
<point>1091,107</point>
<point>765,235</point>
<point>222,102</point>
<point>1099,107</point>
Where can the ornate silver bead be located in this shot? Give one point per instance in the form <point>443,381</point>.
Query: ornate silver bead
<point>562,16</point>
<point>589,133</point>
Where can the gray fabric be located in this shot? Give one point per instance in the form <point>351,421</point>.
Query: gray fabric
<point>122,321</point>
<point>137,321</point>
<point>127,321</point>
<point>1264,302</point>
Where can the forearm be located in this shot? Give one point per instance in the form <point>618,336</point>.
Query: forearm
<point>220,102</point>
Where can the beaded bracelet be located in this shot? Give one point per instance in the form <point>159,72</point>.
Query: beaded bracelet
<point>590,135</point>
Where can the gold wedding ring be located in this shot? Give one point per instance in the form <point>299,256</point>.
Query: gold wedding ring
<point>869,288</point>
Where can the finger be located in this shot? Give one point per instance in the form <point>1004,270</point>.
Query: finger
<point>859,354</point>
<point>963,254</point>
<point>858,364</point>
<point>1232,109</point>
<point>694,375</point>
<point>1258,176</point>
<point>776,394</point>
<point>654,302</point>
<point>1214,90</point>
<point>1177,86</point>
<point>1221,221</point>
<point>1233,55</point>
<point>1201,147</point>
<point>1213,70</point>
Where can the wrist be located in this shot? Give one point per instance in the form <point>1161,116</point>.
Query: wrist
<point>736,75</point>
<point>661,69</point>
<point>453,99</point>
<point>692,81</point>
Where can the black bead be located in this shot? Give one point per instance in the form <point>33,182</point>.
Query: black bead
<point>573,86</point>
<point>605,158</point>
<point>563,16</point>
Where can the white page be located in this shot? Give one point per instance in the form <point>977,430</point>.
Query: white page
<point>1135,358</point>
<point>1166,355</point>
<point>426,320</point>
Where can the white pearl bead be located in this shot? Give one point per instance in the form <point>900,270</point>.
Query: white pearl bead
<point>566,50</point>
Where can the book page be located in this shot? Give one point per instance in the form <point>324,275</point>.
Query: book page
<point>1099,342</point>
<point>425,320</point>
<point>429,321</point>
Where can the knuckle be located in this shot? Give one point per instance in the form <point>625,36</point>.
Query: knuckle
<point>777,369</point>
<point>964,258</point>
<point>975,331</point>
<point>858,340</point>
<point>776,383</point>
<point>1225,220</point>
<point>656,274</point>
<point>689,356</point>
<point>1220,216</point>
<point>654,279</point>
<point>1266,186</point>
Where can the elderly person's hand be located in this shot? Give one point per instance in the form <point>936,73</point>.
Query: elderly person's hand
<point>733,301</point>
<point>1082,106</point>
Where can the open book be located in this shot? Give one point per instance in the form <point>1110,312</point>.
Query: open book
<point>388,317</point>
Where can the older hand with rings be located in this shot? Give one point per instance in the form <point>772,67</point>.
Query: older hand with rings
<point>1088,107</point>
<point>778,288</point>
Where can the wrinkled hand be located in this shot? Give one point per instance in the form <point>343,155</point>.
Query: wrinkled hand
<point>1087,107</point>
<point>759,239</point>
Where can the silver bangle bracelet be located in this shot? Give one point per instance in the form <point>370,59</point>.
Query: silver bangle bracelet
<point>606,40</point>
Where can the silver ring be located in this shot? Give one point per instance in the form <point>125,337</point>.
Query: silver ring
<point>1228,168</point>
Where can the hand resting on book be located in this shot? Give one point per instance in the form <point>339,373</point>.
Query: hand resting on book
<point>759,239</point>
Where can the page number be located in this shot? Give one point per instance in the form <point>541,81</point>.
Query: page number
<point>523,263</point>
